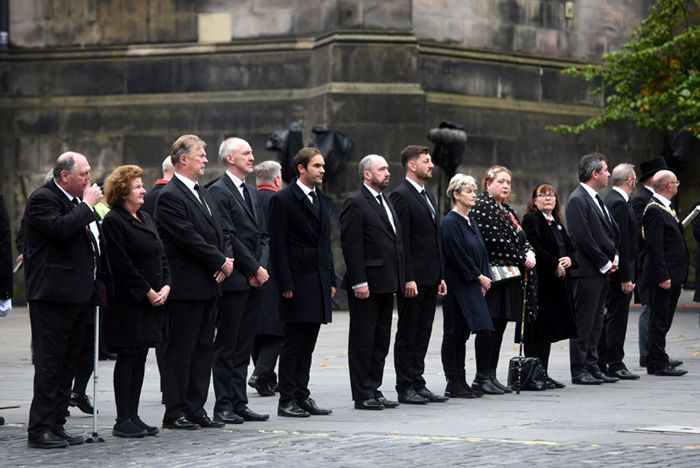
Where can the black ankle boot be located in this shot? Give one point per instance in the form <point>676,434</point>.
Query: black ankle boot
<point>494,380</point>
<point>456,389</point>
<point>482,382</point>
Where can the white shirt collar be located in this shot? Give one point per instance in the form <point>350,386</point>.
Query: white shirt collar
<point>236,181</point>
<point>649,188</point>
<point>371,190</point>
<point>419,188</point>
<point>622,192</point>
<point>304,188</point>
<point>187,181</point>
<point>663,199</point>
<point>589,190</point>
<point>68,195</point>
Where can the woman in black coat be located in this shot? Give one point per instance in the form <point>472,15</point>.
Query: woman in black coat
<point>467,277</point>
<point>141,280</point>
<point>555,256</point>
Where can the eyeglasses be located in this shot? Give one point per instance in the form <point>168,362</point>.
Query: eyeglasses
<point>546,195</point>
<point>676,183</point>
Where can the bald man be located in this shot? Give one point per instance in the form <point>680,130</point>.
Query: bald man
<point>61,264</point>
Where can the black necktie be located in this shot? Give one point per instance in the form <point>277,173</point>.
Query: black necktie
<point>76,202</point>
<point>200,192</point>
<point>602,207</point>
<point>430,205</point>
<point>246,197</point>
<point>315,205</point>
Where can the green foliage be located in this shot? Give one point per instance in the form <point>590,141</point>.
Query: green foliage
<point>654,80</point>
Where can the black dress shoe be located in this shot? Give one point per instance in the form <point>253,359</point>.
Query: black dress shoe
<point>670,371</point>
<point>310,406</point>
<point>46,440</point>
<point>82,402</point>
<point>432,397</point>
<point>551,383</point>
<point>150,430</point>
<point>291,410</point>
<point>128,429</point>
<point>483,383</point>
<point>263,388</point>
<point>410,397</point>
<point>456,389</point>
<point>206,422</point>
<point>389,404</point>
<point>72,439</point>
<point>585,379</point>
<point>179,423</point>
<point>675,362</point>
<point>623,374</point>
<point>605,378</point>
<point>249,415</point>
<point>371,404</point>
<point>228,417</point>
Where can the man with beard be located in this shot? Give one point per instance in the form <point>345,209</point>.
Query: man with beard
<point>419,221</point>
<point>370,235</point>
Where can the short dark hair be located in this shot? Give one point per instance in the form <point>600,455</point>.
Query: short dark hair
<point>589,164</point>
<point>303,157</point>
<point>544,188</point>
<point>412,152</point>
<point>185,144</point>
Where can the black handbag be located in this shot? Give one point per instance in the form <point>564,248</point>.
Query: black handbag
<point>527,373</point>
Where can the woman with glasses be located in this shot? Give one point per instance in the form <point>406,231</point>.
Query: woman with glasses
<point>555,257</point>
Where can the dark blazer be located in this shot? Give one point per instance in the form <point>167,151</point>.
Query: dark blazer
<point>667,252</point>
<point>623,214</point>
<point>5,253</point>
<point>555,317</point>
<point>149,201</point>
<point>422,257</point>
<point>300,250</point>
<point>245,230</point>
<point>193,239</point>
<point>373,252</point>
<point>593,237</point>
<point>269,322</point>
<point>465,259</point>
<point>59,259</point>
<point>138,263</point>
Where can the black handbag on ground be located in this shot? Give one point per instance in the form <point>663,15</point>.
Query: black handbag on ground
<point>532,374</point>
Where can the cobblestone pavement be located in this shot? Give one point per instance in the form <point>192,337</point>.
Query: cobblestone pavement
<point>612,425</point>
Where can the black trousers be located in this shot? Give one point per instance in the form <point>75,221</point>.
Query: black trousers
<point>662,304</point>
<point>415,324</point>
<point>57,338</point>
<point>295,360</point>
<point>611,347</point>
<point>188,356</point>
<point>590,293</point>
<point>454,348</point>
<point>235,332</point>
<point>487,346</point>
<point>368,342</point>
<point>266,350</point>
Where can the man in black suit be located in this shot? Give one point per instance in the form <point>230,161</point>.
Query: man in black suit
<point>419,220</point>
<point>302,261</point>
<point>245,229</point>
<point>665,269</point>
<point>595,236</point>
<point>370,235</point>
<point>268,340</point>
<point>194,244</point>
<point>149,201</point>
<point>612,342</point>
<point>61,260</point>
<point>639,202</point>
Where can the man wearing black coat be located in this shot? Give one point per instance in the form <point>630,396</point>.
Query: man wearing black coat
<point>419,220</point>
<point>243,222</point>
<point>665,269</point>
<point>302,262</point>
<point>612,343</point>
<point>370,235</point>
<point>595,236</point>
<point>62,259</point>
<point>149,201</point>
<point>194,244</point>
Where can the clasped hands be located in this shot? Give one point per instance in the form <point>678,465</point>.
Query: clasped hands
<point>225,271</point>
<point>157,299</point>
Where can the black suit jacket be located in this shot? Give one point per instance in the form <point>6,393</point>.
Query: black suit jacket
<point>194,241</point>
<point>666,250</point>
<point>622,213</point>
<point>373,252</point>
<point>245,230</point>
<point>300,251</point>
<point>420,233</point>
<point>59,258</point>
<point>5,253</point>
<point>149,201</point>
<point>594,238</point>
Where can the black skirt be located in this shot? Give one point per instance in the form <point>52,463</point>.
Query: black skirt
<point>505,300</point>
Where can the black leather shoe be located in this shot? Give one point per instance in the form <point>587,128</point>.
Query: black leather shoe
<point>410,397</point>
<point>206,422</point>
<point>150,430</point>
<point>228,417</point>
<point>179,423</point>
<point>263,388</point>
<point>291,410</point>
<point>675,362</point>
<point>432,397</point>
<point>623,374</point>
<point>482,382</point>
<point>310,406</point>
<point>389,404</point>
<point>82,402</point>
<point>606,379</point>
<point>249,415</point>
<point>72,439</point>
<point>551,383</point>
<point>455,389</point>
<point>128,429</point>
<point>670,371</point>
<point>585,379</point>
<point>371,404</point>
<point>46,440</point>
